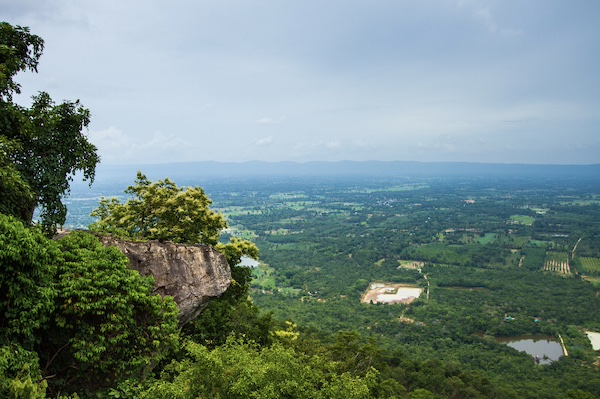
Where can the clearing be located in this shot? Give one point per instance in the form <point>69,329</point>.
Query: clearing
<point>391,293</point>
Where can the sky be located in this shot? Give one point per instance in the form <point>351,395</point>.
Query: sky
<point>501,81</point>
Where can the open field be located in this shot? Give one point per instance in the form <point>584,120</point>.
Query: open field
<point>391,293</point>
<point>522,219</point>
<point>594,280</point>
<point>487,238</point>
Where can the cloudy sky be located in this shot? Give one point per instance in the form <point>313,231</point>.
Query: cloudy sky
<point>236,80</point>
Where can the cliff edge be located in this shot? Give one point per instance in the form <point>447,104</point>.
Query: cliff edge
<point>191,274</point>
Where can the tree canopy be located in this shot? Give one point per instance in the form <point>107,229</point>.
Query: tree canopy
<point>161,211</point>
<point>42,147</point>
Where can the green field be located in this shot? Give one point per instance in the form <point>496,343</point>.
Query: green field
<point>590,265</point>
<point>521,241</point>
<point>487,238</point>
<point>522,219</point>
<point>263,277</point>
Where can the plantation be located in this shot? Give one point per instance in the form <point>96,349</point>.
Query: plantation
<point>557,262</point>
<point>590,266</point>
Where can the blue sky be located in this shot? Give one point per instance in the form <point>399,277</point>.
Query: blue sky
<point>231,80</point>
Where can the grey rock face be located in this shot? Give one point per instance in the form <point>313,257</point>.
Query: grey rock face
<point>191,274</point>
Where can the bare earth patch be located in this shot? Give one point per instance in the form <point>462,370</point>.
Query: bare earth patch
<point>391,293</point>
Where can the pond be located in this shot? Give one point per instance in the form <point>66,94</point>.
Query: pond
<point>546,349</point>
<point>594,339</point>
<point>248,262</point>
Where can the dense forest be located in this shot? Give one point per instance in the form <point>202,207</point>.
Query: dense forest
<point>492,258</point>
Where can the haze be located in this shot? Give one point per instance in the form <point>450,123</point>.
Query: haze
<point>436,81</point>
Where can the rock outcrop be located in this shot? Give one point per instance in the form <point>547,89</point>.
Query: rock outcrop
<point>191,274</point>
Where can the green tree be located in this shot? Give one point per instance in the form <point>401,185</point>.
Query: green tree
<point>27,292</point>
<point>20,375</point>
<point>108,326</point>
<point>242,370</point>
<point>45,143</point>
<point>19,51</point>
<point>161,211</point>
<point>16,197</point>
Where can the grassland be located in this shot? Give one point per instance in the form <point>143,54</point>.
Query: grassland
<point>522,219</point>
<point>487,238</point>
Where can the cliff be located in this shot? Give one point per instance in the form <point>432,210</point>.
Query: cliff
<point>191,274</point>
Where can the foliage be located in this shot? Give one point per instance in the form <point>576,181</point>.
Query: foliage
<point>233,314</point>
<point>590,265</point>
<point>54,149</point>
<point>241,370</point>
<point>108,326</point>
<point>47,146</point>
<point>19,51</point>
<point>27,270</point>
<point>20,375</point>
<point>161,211</point>
<point>16,197</point>
<point>222,319</point>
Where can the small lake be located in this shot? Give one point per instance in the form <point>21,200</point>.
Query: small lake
<point>594,339</point>
<point>248,262</point>
<point>401,295</point>
<point>546,348</point>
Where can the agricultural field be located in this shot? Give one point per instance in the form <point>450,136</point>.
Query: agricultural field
<point>557,262</point>
<point>324,243</point>
<point>487,238</point>
<point>590,266</point>
<point>520,241</point>
<point>522,219</point>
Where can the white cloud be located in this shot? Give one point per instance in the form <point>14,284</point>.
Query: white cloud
<point>264,141</point>
<point>109,139</point>
<point>270,121</point>
<point>483,14</point>
<point>160,140</point>
<point>333,144</point>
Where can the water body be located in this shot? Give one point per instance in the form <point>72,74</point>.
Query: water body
<point>403,294</point>
<point>547,349</point>
<point>594,339</point>
<point>248,262</point>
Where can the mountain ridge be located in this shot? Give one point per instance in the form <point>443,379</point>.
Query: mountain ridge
<point>348,169</point>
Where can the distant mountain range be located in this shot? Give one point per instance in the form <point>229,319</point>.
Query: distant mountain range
<point>207,169</point>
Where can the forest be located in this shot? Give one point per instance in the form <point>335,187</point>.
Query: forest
<point>493,257</point>
<point>485,249</point>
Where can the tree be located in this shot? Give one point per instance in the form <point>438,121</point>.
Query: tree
<point>161,211</point>
<point>19,51</point>
<point>45,143</point>
<point>20,375</point>
<point>108,326</point>
<point>242,370</point>
<point>16,197</point>
<point>27,269</point>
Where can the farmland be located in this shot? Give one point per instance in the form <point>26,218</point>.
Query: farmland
<point>557,262</point>
<point>590,266</point>
<point>508,251</point>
